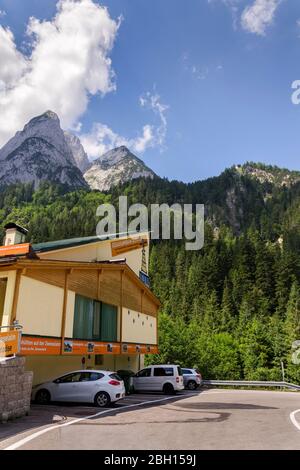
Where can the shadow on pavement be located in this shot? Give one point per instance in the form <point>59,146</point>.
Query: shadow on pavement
<point>223,406</point>
<point>59,413</point>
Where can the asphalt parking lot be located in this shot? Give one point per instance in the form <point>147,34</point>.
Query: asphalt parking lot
<point>207,419</point>
<point>45,416</point>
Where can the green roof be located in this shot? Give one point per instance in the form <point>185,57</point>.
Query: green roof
<point>70,242</point>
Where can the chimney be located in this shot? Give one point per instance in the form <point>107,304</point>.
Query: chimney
<point>14,234</point>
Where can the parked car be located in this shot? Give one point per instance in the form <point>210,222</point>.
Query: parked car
<point>100,387</point>
<point>165,378</point>
<point>192,378</point>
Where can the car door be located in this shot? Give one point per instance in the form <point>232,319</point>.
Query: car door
<point>66,387</point>
<point>142,380</point>
<point>88,386</point>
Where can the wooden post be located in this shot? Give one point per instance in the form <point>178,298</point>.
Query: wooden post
<point>64,311</point>
<point>98,283</point>
<point>121,308</point>
<point>16,296</point>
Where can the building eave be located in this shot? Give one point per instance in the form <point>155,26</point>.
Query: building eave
<point>117,265</point>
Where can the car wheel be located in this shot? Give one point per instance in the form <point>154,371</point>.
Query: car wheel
<point>192,385</point>
<point>168,389</point>
<point>102,399</point>
<point>43,397</point>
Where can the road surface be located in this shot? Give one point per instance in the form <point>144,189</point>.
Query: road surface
<point>211,419</point>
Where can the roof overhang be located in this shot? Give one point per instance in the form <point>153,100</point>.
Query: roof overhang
<point>23,264</point>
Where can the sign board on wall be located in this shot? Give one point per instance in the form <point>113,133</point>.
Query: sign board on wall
<point>119,247</point>
<point>10,343</point>
<point>139,349</point>
<point>34,345</point>
<point>90,347</point>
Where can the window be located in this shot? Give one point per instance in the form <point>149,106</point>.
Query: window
<point>99,358</point>
<point>187,372</point>
<point>115,377</point>
<point>109,315</point>
<point>94,320</point>
<point>95,376</point>
<point>90,376</point>
<point>163,371</point>
<point>97,320</point>
<point>83,318</point>
<point>70,378</point>
<point>144,373</point>
<point>3,286</point>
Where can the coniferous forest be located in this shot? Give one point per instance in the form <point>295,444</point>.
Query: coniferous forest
<point>233,308</point>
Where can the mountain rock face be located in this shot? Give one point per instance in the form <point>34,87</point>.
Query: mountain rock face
<point>79,154</point>
<point>40,152</point>
<point>273,175</point>
<point>116,167</point>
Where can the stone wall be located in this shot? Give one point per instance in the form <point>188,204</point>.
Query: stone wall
<point>15,388</point>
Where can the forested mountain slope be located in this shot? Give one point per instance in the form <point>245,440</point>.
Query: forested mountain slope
<point>232,308</point>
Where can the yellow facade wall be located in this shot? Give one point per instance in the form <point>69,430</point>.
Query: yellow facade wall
<point>138,327</point>
<point>46,368</point>
<point>39,308</point>
<point>9,296</point>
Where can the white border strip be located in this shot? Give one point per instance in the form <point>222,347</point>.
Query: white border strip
<point>293,419</point>
<point>29,438</point>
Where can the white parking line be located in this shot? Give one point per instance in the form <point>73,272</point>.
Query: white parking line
<point>29,438</point>
<point>293,419</point>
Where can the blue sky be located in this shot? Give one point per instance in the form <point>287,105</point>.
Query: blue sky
<point>219,86</point>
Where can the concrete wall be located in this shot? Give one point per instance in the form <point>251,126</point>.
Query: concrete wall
<point>138,327</point>
<point>15,388</point>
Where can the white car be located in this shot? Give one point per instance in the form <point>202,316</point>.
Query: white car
<point>100,387</point>
<point>165,378</point>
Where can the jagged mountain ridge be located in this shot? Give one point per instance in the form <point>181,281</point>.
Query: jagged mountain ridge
<point>40,152</point>
<point>79,154</point>
<point>270,174</point>
<point>115,167</point>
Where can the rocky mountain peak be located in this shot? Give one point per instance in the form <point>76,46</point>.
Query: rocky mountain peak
<point>116,167</point>
<point>40,152</point>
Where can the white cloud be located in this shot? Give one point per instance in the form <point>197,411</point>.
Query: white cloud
<point>13,64</point>
<point>2,13</point>
<point>69,61</point>
<point>152,101</point>
<point>102,138</point>
<point>259,16</point>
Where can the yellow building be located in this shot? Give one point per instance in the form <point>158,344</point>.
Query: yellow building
<point>82,303</point>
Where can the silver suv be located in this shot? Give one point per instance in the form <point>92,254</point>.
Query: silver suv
<point>165,378</point>
<point>192,378</point>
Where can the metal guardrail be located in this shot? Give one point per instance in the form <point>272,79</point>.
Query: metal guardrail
<point>251,383</point>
